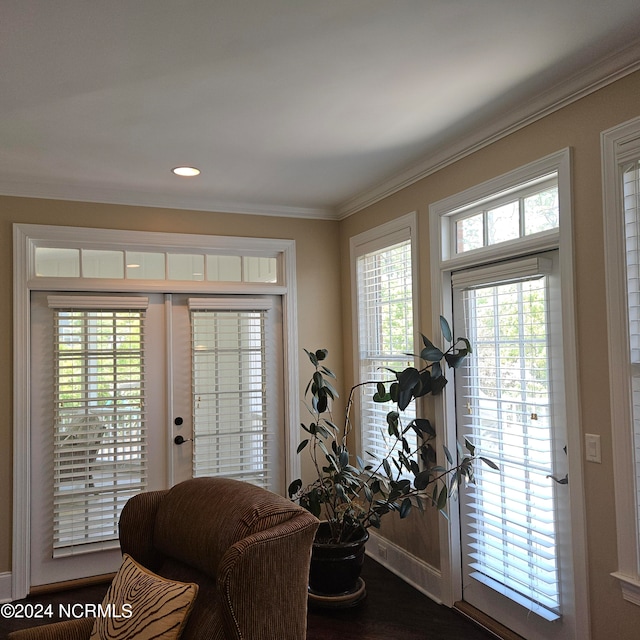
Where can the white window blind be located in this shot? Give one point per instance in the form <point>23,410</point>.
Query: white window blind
<point>505,409</point>
<point>385,334</point>
<point>99,454</point>
<point>631,200</point>
<point>231,392</point>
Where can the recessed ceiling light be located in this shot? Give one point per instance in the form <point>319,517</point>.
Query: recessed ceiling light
<point>186,172</point>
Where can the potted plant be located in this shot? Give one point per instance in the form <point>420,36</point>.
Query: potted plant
<point>351,494</point>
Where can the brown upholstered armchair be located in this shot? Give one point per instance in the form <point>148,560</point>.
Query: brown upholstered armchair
<point>248,550</point>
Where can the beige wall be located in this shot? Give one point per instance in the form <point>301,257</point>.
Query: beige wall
<point>318,279</point>
<point>324,294</point>
<point>577,126</point>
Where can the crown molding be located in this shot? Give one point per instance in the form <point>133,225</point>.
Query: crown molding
<point>581,84</point>
<point>132,197</point>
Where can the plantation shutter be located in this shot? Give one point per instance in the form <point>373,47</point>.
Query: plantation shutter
<point>232,433</point>
<point>385,334</point>
<point>505,409</point>
<point>99,451</point>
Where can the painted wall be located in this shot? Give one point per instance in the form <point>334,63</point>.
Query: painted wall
<point>319,312</point>
<point>577,126</point>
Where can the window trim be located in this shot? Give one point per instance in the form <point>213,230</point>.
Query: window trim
<point>385,235</point>
<point>619,144</point>
<point>442,263</point>
<point>27,236</point>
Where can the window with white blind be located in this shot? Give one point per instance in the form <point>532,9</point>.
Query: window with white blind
<point>99,456</point>
<point>621,188</point>
<point>505,408</point>
<point>383,266</point>
<point>232,391</point>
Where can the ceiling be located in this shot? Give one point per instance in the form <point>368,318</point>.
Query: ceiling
<point>288,107</point>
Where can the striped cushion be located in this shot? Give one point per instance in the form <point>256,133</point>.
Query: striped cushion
<point>140,605</point>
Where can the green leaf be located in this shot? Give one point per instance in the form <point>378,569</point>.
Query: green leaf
<point>438,385</point>
<point>294,487</point>
<point>490,463</point>
<point>405,507</point>
<point>328,372</point>
<point>431,353</point>
<point>381,398</point>
<point>421,481</point>
<point>312,357</point>
<point>470,447</point>
<point>446,330</point>
<point>422,426</point>
<point>447,453</point>
<point>454,360</point>
<point>302,445</point>
<point>442,499</point>
<point>321,354</point>
<point>467,344</point>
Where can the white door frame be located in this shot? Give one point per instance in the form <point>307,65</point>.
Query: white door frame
<point>442,263</point>
<point>27,237</point>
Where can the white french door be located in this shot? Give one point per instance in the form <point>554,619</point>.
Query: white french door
<point>515,530</point>
<point>135,392</point>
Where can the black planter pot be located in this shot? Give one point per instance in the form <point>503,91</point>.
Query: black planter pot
<point>334,576</point>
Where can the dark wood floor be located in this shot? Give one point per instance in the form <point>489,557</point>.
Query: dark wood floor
<point>392,610</point>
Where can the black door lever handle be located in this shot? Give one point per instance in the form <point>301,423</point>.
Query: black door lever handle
<point>181,440</point>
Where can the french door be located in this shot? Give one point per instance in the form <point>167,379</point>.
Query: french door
<point>136,392</point>
<point>515,530</point>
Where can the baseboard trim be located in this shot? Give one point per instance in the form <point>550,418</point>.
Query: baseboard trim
<point>414,571</point>
<point>5,586</point>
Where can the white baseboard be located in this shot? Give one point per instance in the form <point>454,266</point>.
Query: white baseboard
<point>416,572</point>
<point>5,586</point>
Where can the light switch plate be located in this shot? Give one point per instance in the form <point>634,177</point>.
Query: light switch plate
<point>592,447</point>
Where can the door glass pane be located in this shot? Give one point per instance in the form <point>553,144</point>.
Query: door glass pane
<point>511,541</point>
<point>99,433</point>
<point>231,432</point>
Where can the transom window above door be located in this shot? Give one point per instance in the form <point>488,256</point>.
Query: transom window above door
<point>507,217</point>
<point>116,264</point>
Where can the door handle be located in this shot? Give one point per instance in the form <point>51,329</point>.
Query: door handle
<point>181,440</point>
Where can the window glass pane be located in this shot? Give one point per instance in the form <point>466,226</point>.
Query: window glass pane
<point>102,264</point>
<point>541,211</point>
<point>57,263</point>
<point>224,268</point>
<point>142,265</point>
<point>469,233</point>
<point>631,200</point>
<point>385,317</point>
<point>185,266</point>
<point>260,269</point>
<point>503,223</point>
